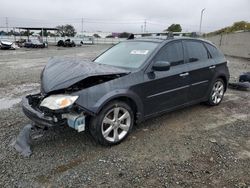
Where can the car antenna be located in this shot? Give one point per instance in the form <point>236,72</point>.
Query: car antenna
<point>131,36</point>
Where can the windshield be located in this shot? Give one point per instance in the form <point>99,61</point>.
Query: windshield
<point>127,54</point>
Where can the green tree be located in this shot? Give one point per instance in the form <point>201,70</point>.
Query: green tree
<point>66,30</point>
<point>242,25</point>
<point>11,32</point>
<point>174,28</point>
<point>237,26</point>
<point>26,33</point>
<point>3,32</point>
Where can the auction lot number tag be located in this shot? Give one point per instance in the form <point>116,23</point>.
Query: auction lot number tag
<point>139,52</point>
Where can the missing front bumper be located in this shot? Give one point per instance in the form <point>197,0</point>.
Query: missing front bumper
<point>72,119</point>
<point>34,114</point>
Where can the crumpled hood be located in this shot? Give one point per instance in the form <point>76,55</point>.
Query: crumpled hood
<point>61,73</point>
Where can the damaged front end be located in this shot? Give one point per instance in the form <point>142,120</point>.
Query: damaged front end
<point>62,82</point>
<point>59,107</point>
<point>45,114</point>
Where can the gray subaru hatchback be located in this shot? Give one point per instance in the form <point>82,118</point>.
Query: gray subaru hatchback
<point>130,82</point>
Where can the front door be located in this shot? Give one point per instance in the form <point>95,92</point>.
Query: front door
<point>164,90</point>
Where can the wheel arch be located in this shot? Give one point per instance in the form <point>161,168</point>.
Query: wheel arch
<point>224,79</point>
<point>130,98</point>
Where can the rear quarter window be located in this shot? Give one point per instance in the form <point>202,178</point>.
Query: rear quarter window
<point>214,51</point>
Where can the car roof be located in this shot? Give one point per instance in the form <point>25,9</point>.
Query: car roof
<point>166,39</point>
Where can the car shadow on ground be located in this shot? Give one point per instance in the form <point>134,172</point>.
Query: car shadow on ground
<point>66,138</point>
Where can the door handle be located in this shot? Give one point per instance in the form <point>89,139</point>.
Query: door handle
<point>184,74</point>
<point>212,67</point>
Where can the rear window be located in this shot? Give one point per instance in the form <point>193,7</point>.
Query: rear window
<point>213,51</point>
<point>196,51</point>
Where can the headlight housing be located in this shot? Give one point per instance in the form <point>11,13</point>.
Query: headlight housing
<point>56,102</point>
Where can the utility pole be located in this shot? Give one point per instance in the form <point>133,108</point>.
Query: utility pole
<point>42,34</point>
<point>7,24</point>
<point>82,25</point>
<point>145,26</point>
<point>202,11</point>
<point>14,30</point>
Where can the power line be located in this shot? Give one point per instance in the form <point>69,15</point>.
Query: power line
<point>101,22</point>
<point>98,20</point>
<point>74,19</point>
<point>86,22</point>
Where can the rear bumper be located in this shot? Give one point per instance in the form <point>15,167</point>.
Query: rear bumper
<point>37,116</point>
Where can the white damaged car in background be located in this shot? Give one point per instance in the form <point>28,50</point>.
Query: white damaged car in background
<point>7,45</point>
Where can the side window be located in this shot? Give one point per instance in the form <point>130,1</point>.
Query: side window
<point>196,51</point>
<point>213,51</point>
<point>173,53</point>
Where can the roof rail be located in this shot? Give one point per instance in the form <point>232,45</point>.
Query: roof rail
<point>170,35</point>
<point>162,35</point>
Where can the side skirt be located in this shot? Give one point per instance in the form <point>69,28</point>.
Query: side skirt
<point>156,114</point>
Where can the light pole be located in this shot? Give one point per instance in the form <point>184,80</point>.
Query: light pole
<point>202,11</point>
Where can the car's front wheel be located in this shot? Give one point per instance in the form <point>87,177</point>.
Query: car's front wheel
<point>113,123</point>
<point>217,93</point>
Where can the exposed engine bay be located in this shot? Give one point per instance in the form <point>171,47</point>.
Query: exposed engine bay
<point>88,82</point>
<point>62,82</point>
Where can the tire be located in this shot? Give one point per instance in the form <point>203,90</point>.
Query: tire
<point>60,43</point>
<point>108,127</point>
<point>217,92</point>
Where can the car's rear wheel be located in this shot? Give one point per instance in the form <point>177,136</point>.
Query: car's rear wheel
<point>113,123</point>
<point>217,92</point>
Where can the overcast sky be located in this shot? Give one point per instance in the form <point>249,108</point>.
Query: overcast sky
<point>125,15</point>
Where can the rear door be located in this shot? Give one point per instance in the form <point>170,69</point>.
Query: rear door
<point>200,68</point>
<point>164,90</point>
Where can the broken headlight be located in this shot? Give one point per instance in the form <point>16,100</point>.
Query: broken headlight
<point>56,102</point>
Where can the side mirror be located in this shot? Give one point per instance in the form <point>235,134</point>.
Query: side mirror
<point>161,66</point>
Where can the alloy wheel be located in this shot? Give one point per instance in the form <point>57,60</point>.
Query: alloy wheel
<point>217,92</point>
<point>116,124</point>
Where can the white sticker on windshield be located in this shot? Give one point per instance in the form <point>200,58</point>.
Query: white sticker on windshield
<point>139,52</point>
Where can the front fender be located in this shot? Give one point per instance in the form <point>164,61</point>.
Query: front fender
<point>94,98</point>
<point>119,93</point>
<point>93,102</point>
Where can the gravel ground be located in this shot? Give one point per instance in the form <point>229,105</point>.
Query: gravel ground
<point>198,146</point>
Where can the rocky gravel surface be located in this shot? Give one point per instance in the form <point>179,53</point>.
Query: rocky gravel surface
<point>198,146</point>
